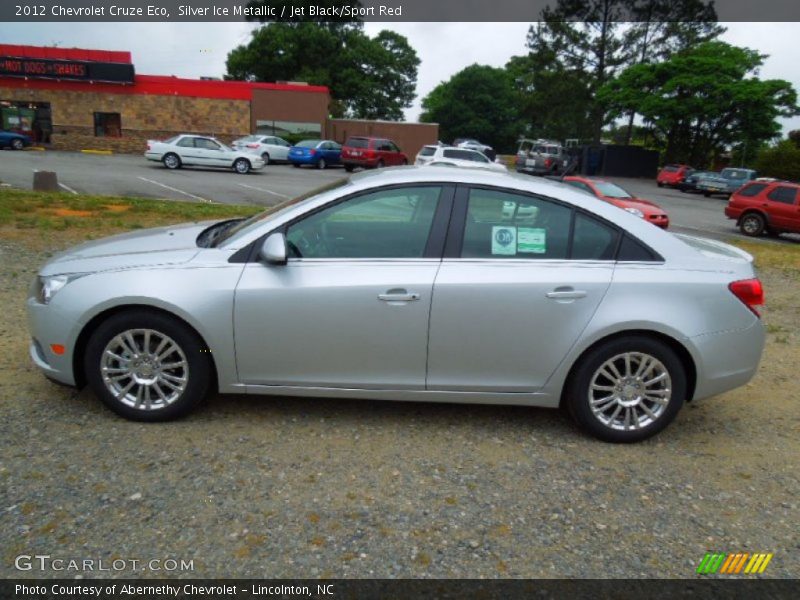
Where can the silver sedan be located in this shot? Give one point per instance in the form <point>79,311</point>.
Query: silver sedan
<point>429,284</point>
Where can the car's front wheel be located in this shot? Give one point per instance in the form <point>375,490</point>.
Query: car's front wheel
<point>752,224</point>
<point>241,166</point>
<point>17,144</point>
<point>627,389</point>
<point>147,366</point>
<point>171,161</point>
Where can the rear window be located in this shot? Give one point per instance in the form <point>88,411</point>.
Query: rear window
<point>735,174</point>
<point>308,143</point>
<point>427,151</point>
<point>672,168</point>
<point>357,142</point>
<point>611,190</point>
<point>751,190</point>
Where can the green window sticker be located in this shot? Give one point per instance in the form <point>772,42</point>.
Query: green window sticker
<point>531,240</point>
<point>504,240</point>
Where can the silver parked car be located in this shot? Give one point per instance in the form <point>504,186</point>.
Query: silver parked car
<point>430,284</point>
<point>201,151</point>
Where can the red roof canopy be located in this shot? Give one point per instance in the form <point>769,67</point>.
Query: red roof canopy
<point>51,53</point>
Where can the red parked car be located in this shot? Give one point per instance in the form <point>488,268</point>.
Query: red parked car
<point>765,206</point>
<point>673,174</point>
<point>371,153</point>
<point>613,194</point>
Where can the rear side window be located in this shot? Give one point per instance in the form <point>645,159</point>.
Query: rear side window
<point>671,168</point>
<point>357,142</point>
<point>593,239</point>
<point>751,190</point>
<point>783,194</point>
<point>631,250</point>
<point>427,151</point>
<point>505,225</point>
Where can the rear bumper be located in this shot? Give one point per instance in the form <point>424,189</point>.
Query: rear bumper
<point>303,160</point>
<point>727,359</point>
<point>358,162</point>
<point>732,213</point>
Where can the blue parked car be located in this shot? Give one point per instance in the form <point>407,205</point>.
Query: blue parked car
<point>15,141</point>
<point>317,153</point>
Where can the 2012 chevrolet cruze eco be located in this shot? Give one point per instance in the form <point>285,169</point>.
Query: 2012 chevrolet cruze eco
<point>429,284</point>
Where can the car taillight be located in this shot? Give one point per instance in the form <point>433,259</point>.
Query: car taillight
<point>312,152</point>
<point>370,154</point>
<point>252,145</point>
<point>750,292</point>
<point>548,162</point>
<point>148,146</point>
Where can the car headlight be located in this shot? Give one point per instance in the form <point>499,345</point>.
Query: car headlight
<point>45,287</point>
<point>635,211</point>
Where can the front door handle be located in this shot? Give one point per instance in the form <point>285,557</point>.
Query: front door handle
<point>398,296</point>
<point>566,294</point>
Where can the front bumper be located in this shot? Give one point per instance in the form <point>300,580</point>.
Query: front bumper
<point>47,326</point>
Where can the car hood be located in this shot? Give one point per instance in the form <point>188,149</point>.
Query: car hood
<point>645,206</point>
<point>169,245</point>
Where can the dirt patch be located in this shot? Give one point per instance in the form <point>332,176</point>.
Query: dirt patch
<point>68,212</point>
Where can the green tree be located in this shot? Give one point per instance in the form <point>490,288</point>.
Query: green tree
<point>781,161</point>
<point>369,78</point>
<point>480,102</point>
<point>703,100</point>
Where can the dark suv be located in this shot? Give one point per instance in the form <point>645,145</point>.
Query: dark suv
<point>766,206</point>
<point>371,153</point>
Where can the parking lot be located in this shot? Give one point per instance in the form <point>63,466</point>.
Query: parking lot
<point>126,175</point>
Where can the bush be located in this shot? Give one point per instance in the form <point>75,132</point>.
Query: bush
<point>781,161</point>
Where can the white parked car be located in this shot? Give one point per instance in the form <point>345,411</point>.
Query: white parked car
<point>201,151</point>
<point>455,157</point>
<point>269,147</point>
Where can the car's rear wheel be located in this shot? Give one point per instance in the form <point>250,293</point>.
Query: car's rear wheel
<point>660,184</point>
<point>404,162</point>
<point>17,144</point>
<point>265,157</point>
<point>321,164</point>
<point>707,194</point>
<point>296,165</point>
<point>241,166</point>
<point>379,164</point>
<point>171,161</point>
<point>147,366</point>
<point>349,168</point>
<point>627,389</point>
<point>752,224</point>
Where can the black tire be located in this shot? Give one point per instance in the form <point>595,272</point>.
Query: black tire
<point>349,168</point>
<point>172,161</point>
<point>265,157</point>
<point>200,366</point>
<point>379,164</point>
<point>707,194</point>
<point>405,162</point>
<point>321,164</point>
<point>752,224</point>
<point>579,392</point>
<point>295,165</point>
<point>17,144</point>
<point>241,166</point>
<point>659,184</point>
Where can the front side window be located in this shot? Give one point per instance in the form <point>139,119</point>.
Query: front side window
<point>206,144</point>
<point>506,225</point>
<point>389,223</point>
<point>187,142</point>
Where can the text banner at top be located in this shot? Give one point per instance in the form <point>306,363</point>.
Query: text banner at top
<point>366,10</point>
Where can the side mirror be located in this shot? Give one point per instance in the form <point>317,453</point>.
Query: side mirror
<point>273,251</point>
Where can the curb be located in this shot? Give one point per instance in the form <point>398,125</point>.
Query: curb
<point>104,152</point>
<point>35,149</point>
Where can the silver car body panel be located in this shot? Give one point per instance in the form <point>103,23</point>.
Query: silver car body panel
<point>456,330</point>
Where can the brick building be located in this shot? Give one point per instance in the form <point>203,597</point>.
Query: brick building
<point>73,99</point>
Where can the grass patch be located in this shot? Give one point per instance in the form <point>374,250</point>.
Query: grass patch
<point>83,217</point>
<point>773,256</point>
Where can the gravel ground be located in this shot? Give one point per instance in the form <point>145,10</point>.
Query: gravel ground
<point>259,487</point>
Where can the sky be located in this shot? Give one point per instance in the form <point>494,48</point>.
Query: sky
<point>200,49</point>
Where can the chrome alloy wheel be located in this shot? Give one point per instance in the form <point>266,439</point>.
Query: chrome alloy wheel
<point>630,391</point>
<point>144,369</point>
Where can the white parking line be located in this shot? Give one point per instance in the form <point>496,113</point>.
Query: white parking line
<point>258,189</point>
<point>66,187</point>
<point>174,189</point>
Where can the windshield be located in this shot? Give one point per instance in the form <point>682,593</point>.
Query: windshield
<point>273,210</point>
<point>427,151</point>
<point>735,174</point>
<point>308,143</point>
<point>611,190</point>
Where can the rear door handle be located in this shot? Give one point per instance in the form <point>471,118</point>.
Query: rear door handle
<point>398,296</point>
<point>566,294</point>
